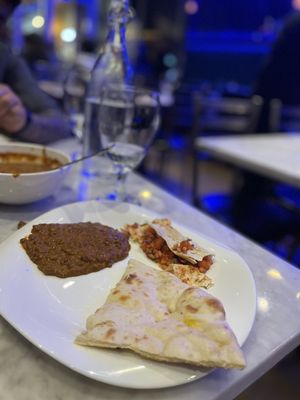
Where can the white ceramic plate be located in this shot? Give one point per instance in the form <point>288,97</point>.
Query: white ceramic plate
<point>50,311</point>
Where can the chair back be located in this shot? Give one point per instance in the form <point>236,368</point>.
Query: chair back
<point>225,115</point>
<point>283,118</point>
<point>177,116</point>
<point>220,116</point>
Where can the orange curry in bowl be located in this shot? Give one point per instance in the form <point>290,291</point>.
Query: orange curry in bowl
<point>22,163</point>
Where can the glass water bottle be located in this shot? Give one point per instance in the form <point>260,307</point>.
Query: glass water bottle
<point>111,67</point>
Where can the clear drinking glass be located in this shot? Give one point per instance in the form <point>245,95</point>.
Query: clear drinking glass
<point>74,94</point>
<point>128,119</point>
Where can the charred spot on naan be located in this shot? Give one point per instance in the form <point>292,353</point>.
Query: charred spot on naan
<point>132,279</point>
<point>110,333</point>
<point>215,304</point>
<point>208,306</point>
<point>191,309</point>
<point>124,298</point>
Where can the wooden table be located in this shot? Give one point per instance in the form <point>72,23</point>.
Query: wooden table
<point>26,372</point>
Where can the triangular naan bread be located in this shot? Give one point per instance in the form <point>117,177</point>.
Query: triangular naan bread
<point>153,313</point>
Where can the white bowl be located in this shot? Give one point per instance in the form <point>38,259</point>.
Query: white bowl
<point>30,187</point>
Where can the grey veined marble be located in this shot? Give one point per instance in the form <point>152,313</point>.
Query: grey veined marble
<point>26,373</point>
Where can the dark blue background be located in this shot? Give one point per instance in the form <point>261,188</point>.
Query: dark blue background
<point>236,14</point>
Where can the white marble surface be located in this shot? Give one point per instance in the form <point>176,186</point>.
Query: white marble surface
<point>273,155</point>
<point>27,373</point>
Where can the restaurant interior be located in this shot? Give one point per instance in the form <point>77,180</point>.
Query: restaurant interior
<point>227,74</point>
<point>196,64</point>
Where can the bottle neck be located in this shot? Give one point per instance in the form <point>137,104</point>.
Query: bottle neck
<point>113,60</point>
<point>118,17</point>
<point>116,37</point>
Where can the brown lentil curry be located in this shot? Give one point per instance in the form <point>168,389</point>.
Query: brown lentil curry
<point>65,250</point>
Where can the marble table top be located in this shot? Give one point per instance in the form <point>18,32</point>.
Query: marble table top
<point>275,156</point>
<point>28,373</point>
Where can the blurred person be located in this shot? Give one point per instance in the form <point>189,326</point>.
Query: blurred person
<point>253,214</point>
<point>280,77</point>
<point>86,57</point>
<point>26,113</point>
<point>37,50</point>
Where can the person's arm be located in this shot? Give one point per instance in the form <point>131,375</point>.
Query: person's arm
<point>44,123</point>
<point>45,127</point>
